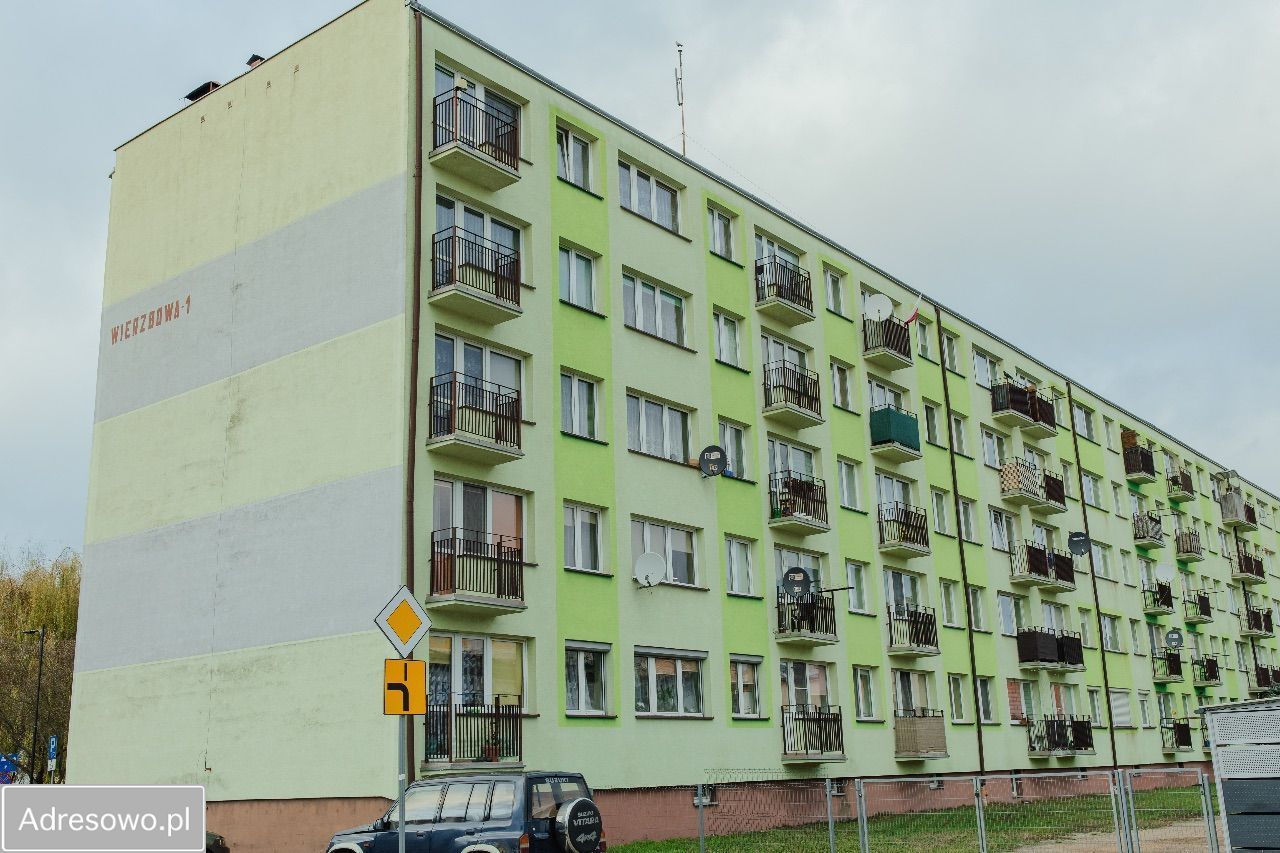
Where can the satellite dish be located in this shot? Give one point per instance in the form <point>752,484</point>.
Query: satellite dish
<point>877,306</point>
<point>651,568</point>
<point>1173,639</point>
<point>1078,543</point>
<point>796,581</point>
<point>712,461</point>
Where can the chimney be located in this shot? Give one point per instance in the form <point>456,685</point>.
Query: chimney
<point>200,91</point>
<point>254,61</point>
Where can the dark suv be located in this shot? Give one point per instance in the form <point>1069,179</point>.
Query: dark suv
<point>511,812</point>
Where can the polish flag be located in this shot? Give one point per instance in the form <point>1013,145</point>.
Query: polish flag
<point>915,312</point>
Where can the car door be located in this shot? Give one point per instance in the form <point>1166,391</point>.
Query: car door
<point>462,814</point>
<point>421,805</point>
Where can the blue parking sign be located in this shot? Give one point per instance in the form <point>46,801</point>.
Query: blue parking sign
<point>53,747</point>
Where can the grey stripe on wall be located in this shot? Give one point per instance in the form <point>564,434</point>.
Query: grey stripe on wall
<point>314,563</point>
<point>330,273</point>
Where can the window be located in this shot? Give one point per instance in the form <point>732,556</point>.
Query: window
<point>666,684</point>
<point>1011,613</point>
<point>733,440</point>
<point>1082,420</point>
<point>1117,500</point>
<point>573,158</point>
<point>673,544</point>
<point>1126,567</point>
<point>581,538</point>
<point>879,393</point>
<point>1092,491</point>
<point>727,339</point>
<point>1101,560</point>
<point>966,520</point>
<point>1002,529</point>
<point>841,398</point>
<point>1135,636</point>
<point>958,443</point>
<point>931,423</point>
<point>463,802</point>
<point>940,522</point>
<point>986,713</point>
<point>993,446</point>
<point>986,369</point>
<point>744,678</point>
<point>476,362</point>
<point>948,600</point>
<point>477,226</point>
<point>955,687</point>
<point>856,579</point>
<point>803,683</point>
<point>785,558</point>
<point>471,670</point>
<point>1109,432</point>
<point>835,291</point>
<point>458,508</point>
<point>720,228</point>
<point>849,474</point>
<point>1095,705</point>
<point>641,193</point>
<point>864,692</point>
<point>421,805</point>
<point>1111,633</point>
<point>737,564</point>
<point>584,680</point>
<point>577,405</point>
<point>976,615</point>
<point>924,338</point>
<point>657,429</point>
<point>651,309</point>
<point>1120,714</point>
<point>949,347</point>
<point>577,279</point>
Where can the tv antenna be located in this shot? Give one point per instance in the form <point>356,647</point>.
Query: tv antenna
<point>684,151</point>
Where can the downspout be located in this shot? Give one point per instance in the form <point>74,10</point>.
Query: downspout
<point>964,567</point>
<point>1093,577</point>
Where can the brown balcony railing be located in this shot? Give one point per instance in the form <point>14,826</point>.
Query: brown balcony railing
<point>787,383</point>
<point>813,613</point>
<point>1031,560</point>
<point>460,117</point>
<point>778,277</point>
<point>1020,478</point>
<point>1166,664</point>
<point>1012,397</point>
<point>1082,734</point>
<point>1180,482</point>
<point>912,626</point>
<point>1206,669</point>
<point>1064,567</point>
<point>1043,410</point>
<point>1197,606</point>
<point>1038,646</point>
<point>1147,527</point>
<point>812,730</point>
<point>466,728</point>
<point>1250,564</point>
<point>1175,733</point>
<point>919,732</point>
<point>1257,620</point>
<point>1265,677</point>
<point>1157,596</point>
<point>1050,734</point>
<point>795,494</point>
<point>889,334</point>
<point>902,524</point>
<point>460,257</point>
<point>465,404</point>
<point>1188,542</point>
<point>1070,648</point>
<point>1138,461</point>
<point>1055,491</point>
<point>477,563</point>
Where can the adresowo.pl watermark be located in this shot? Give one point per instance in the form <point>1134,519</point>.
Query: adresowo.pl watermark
<point>101,819</point>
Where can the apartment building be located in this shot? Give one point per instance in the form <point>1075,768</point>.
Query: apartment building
<point>391,308</point>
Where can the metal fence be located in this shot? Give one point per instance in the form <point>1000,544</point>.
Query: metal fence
<point>1128,811</point>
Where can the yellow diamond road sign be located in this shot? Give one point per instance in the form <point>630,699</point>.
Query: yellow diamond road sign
<point>404,621</point>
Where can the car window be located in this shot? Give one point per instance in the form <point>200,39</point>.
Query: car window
<point>503,801</point>
<point>464,801</point>
<point>545,795</point>
<point>420,805</point>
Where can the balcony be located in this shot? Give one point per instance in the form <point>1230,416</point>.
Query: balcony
<point>474,420</point>
<point>886,343</point>
<point>1256,622</point>
<point>1175,734</point>
<point>1181,487</point>
<point>1035,565</point>
<point>1236,513</point>
<point>1246,567</point>
<point>1197,608</point>
<point>919,734</point>
<point>797,503</point>
<point>1205,671</point>
<point>1021,483</point>
<point>807,620</point>
<point>783,291</point>
<point>913,631</point>
<point>476,571</point>
<point>1038,648</point>
<point>812,734</point>
<point>895,434</point>
<point>1187,547</point>
<point>474,277</point>
<point>904,530</point>
<point>465,730</point>
<point>474,141</point>
<point>1059,735</point>
<point>1055,495</point>
<point>1139,465</point>
<point>1012,405</point>
<point>1157,598</point>
<point>1148,530</point>
<point>1166,666</point>
<point>791,395</point>
<point>1264,678</point>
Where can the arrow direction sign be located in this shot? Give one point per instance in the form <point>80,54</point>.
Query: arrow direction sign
<point>404,687</point>
<point>404,622</point>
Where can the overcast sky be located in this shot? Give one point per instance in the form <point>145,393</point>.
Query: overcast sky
<point>1098,182</point>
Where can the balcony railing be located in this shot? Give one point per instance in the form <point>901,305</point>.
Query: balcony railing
<point>1197,607</point>
<point>890,336</point>
<point>1237,513</point>
<point>1264,678</point>
<point>1256,622</point>
<point>903,526</point>
<point>912,628</point>
<point>1148,529</point>
<point>1181,486</point>
<point>460,117</point>
<point>812,731</point>
<point>919,733</point>
<point>1166,665</point>
<point>475,563</point>
<point>1033,563</point>
<point>778,278</point>
<point>1070,649</point>
<point>1250,565</point>
<point>464,728</point>
<point>462,404</point>
<point>892,428</point>
<point>1139,464</point>
<point>1157,597</point>
<point>1038,647</point>
<point>1012,403</point>
<point>1050,734</point>
<point>795,494</point>
<point>1187,546</point>
<point>1055,491</point>
<point>1175,734</point>
<point>1206,670</point>
<point>1021,481</point>
<point>459,257</point>
<point>787,384</point>
<point>811,615</point>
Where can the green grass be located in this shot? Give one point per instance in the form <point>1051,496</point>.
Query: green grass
<point>1009,827</point>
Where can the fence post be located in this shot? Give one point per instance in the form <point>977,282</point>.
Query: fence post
<point>980,814</point>
<point>1206,806</point>
<point>1117,811</point>
<point>831,817</point>
<point>864,842</point>
<point>702,826</point>
<point>1130,811</point>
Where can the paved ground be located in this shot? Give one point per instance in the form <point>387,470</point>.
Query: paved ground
<point>1184,837</point>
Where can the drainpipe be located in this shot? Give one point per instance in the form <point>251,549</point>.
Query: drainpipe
<point>964,567</point>
<point>1093,577</point>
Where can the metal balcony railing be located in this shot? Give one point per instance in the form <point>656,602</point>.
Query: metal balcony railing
<point>779,278</point>
<point>795,494</point>
<point>1249,564</point>
<point>1055,491</point>
<point>787,383</point>
<point>1147,527</point>
<point>461,257</point>
<point>1157,597</point>
<point>894,425</point>
<point>889,334</point>
<point>813,613</point>
<point>912,626</point>
<point>1175,734</point>
<point>1012,397</point>
<point>1139,462</point>
<point>902,524</point>
<point>1197,607</point>
<point>1050,734</point>
<point>467,728</point>
<point>1206,669</point>
<point>477,563</point>
<point>1166,664</point>
<point>1256,621</point>
<point>1070,648</point>
<point>812,730</point>
<point>458,116</point>
<point>1182,485</point>
<point>1187,543</point>
<point>466,404</point>
<point>1021,479</point>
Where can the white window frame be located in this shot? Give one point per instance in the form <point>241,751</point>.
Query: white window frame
<point>864,693</point>
<point>930,415</point>
<point>985,368</point>
<point>947,600</point>
<point>859,590</point>
<point>977,613</point>
<point>667,440</point>
<point>939,500</point>
<point>737,666</point>
<point>835,284</point>
<point>576,511</point>
<point>924,338</point>
<point>841,385</point>
<point>629,194</point>
<point>958,442</point>
<point>966,527</point>
<point>638,286</point>
<point>580,653</point>
<point>955,692</point>
<point>733,570</point>
<point>849,475</point>
<point>733,440</point>
<point>679,660</point>
<point>648,525</point>
<point>574,296</point>
<point>986,709</point>
<point>727,323</point>
<point>578,410</point>
<point>566,160</point>
<point>723,248</point>
<point>950,354</point>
